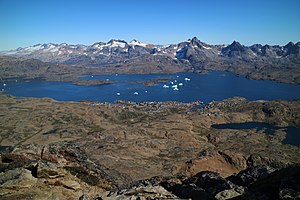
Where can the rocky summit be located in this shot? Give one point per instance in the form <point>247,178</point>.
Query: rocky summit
<point>280,63</point>
<point>148,150</point>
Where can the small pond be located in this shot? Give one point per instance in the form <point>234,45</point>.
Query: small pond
<point>292,136</point>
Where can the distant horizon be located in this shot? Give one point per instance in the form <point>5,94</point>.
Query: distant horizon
<point>59,43</point>
<point>26,23</point>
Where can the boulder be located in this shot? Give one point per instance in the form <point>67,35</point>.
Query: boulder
<point>83,197</point>
<point>281,184</point>
<point>17,179</point>
<point>228,194</point>
<point>147,192</point>
<point>189,191</point>
<point>70,184</point>
<point>204,185</point>
<point>44,169</point>
<point>47,170</point>
<point>250,175</point>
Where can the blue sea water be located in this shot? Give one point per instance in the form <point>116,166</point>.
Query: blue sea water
<point>215,85</point>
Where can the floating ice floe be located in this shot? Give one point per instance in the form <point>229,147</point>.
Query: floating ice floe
<point>146,91</point>
<point>4,84</point>
<point>118,93</point>
<point>92,76</point>
<point>181,84</point>
<point>165,86</point>
<point>177,76</point>
<point>107,79</point>
<point>187,79</point>
<point>175,81</point>
<point>176,89</point>
<point>136,93</point>
<point>172,82</point>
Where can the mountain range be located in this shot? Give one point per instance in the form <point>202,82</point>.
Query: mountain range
<point>256,61</point>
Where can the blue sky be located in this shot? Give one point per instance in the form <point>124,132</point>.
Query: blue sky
<point>28,22</point>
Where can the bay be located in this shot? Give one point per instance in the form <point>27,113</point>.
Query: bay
<point>216,85</point>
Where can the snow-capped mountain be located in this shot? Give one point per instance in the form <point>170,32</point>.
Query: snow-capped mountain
<point>192,52</point>
<point>258,61</point>
<point>63,52</point>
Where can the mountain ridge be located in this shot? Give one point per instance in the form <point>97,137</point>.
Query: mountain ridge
<point>63,51</point>
<point>268,62</point>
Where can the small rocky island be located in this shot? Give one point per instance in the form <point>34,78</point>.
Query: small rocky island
<point>93,82</point>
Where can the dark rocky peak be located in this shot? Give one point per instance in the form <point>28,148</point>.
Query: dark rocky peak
<point>49,45</point>
<point>36,45</point>
<point>196,42</point>
<point>289,45</point>
<point>266,46</point>
<point>256,48</point>
<point>258,45</point>
<point>135,41</point>
<point>236,46</point>
<point>116,41</point>
<point>234,50</point>
<point>96,44</point>
<point>271,51</point>
<point>292,48</point>
<point>66,45</point>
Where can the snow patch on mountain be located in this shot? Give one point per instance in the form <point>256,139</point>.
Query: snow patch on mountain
<point>137,43</point>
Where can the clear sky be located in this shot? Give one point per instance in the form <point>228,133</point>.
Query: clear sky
<point>28,22</point>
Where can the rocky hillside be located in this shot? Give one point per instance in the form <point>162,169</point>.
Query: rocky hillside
<point>281,63</point>
<point>163,150</point>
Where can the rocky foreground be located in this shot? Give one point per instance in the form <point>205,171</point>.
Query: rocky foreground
<point>168,150</point>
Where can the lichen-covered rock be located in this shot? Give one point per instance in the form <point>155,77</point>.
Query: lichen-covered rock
<point>204,185</point>
<point>251,175</point>
<point>47,170</point>
<point>70,184</point>
<point>16,179</point>
<point>142,193</point>
<point>228,194</point>
<point>44,169</point>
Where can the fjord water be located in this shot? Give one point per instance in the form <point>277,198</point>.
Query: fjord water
<point>215,85</point>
